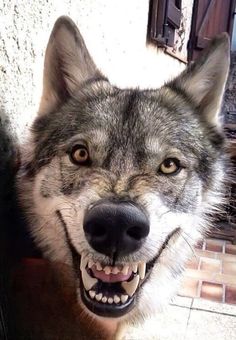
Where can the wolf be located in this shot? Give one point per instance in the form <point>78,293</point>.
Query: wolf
<point>118,184</point>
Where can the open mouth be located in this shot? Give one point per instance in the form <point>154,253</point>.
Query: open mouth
<point>110,291</point>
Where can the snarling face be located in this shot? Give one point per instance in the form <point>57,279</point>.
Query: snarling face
<point>119,182</point>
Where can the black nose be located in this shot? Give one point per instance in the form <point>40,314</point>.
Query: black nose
<point>116,227</point>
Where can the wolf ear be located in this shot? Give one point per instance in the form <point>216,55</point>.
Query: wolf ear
<point>67,65</point>
<point>203,82</point>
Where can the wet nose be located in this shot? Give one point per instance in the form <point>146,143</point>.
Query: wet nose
<point>116,227</point>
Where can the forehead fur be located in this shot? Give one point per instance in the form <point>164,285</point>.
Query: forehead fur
<point>128,117</point>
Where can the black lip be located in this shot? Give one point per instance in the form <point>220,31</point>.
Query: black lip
<point>106,310</point>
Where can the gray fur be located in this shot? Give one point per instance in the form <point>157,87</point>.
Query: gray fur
<point>128,133</point>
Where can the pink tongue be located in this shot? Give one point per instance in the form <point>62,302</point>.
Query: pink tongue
<point>111,277</point>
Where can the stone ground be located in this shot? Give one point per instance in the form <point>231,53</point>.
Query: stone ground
<point>205,308</point>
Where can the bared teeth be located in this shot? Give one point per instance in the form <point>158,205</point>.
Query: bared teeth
<point>92,294</point>
<point>83,261</point>
<point>116,299</point>
<point>135,267</point>
<point>107,270</point>
<point>142,270</point>
<point>88,281</point>
<point>90,263</point>
<point>125,269</point>
<point>104,299</point>
<point>98,266</point>
<point>115,270</point>
<point>124,298</point>
<point>110,300</point>
<point>98,297</point>
<point>130,287</point>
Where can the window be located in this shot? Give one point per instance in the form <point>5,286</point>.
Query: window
<point>164,19</point>
<point>210,17</point>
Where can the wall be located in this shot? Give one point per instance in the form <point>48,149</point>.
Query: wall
<point>115,33</point>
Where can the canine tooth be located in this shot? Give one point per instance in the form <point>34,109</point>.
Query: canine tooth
<point>98,297</point>
<point>116,299</point>
<point>90,263</point>
<point>110,300</point>
<point>107,270</point>
<point>98,266</point>
<point>88,281</point>
<point>83,261</point>
<point>104,299</point>
<point>115,270</point>
<point>92,293</point>
<point>130,287</point>
<point>125,269</point>
<point>124,298</point>
<point>142,270</point>
<point>135,267</point>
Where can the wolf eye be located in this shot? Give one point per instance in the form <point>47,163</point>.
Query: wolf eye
<point>170,166</point>
<point>79,155</point>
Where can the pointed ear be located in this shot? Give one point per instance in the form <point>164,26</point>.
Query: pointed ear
<point>67,65</point>
<point>203,82</point>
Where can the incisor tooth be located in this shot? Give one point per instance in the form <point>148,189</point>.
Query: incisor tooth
<point>83,261</point>
<point>88,281</point>
<point>125,269</point>
<point>98,266</point>
<point>142,270</point>
<point>92,293</point>
<point>135,267</point>
<point>110,300</point>
<point>90,263</point>
<point>115,270</point>
<point>107,270</point>
<point>130,287</point>
<point>116,299</point>
<point>124,298</point>
<point>104,299</point>
<point>98,297</point>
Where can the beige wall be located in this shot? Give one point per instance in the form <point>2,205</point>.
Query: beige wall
<point>115,33</point>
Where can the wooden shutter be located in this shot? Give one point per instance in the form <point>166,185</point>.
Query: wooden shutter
<point>164,18</point>
<point>210,17</point>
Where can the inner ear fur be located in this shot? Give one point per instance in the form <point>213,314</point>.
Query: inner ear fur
<point>203,82</point>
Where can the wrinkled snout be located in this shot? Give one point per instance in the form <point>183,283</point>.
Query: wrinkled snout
<point>116,227</point>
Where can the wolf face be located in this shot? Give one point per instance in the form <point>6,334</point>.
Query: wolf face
<point>119,183</point>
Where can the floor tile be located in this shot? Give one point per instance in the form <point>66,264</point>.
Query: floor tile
<point>204,325</point>
<point>205,253</point>
<point>214,245</point>
<point>230,294</point>
<point>229,268</point>
<point>182,301</point>
<point>226,257</point>
<point>212,291</point>
<point>189,287</point>
<point>193,263</point>
<point>213,306</point>
<point>211,265</point>
<point>230,249</point>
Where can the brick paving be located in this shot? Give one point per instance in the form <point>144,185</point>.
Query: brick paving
<point>211,273</point>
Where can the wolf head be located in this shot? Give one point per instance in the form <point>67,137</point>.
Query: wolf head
<point>119,183</point>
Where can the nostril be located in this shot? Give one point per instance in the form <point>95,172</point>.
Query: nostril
<point>135,233</point>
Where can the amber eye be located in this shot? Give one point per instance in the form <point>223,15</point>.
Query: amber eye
<point>170,166</point>
<point>79,155</point>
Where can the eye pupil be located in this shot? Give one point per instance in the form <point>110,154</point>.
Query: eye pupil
<point>168,163</point>
<point>79,155</point>
<point>82,153</point>
<point>169,166</point>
